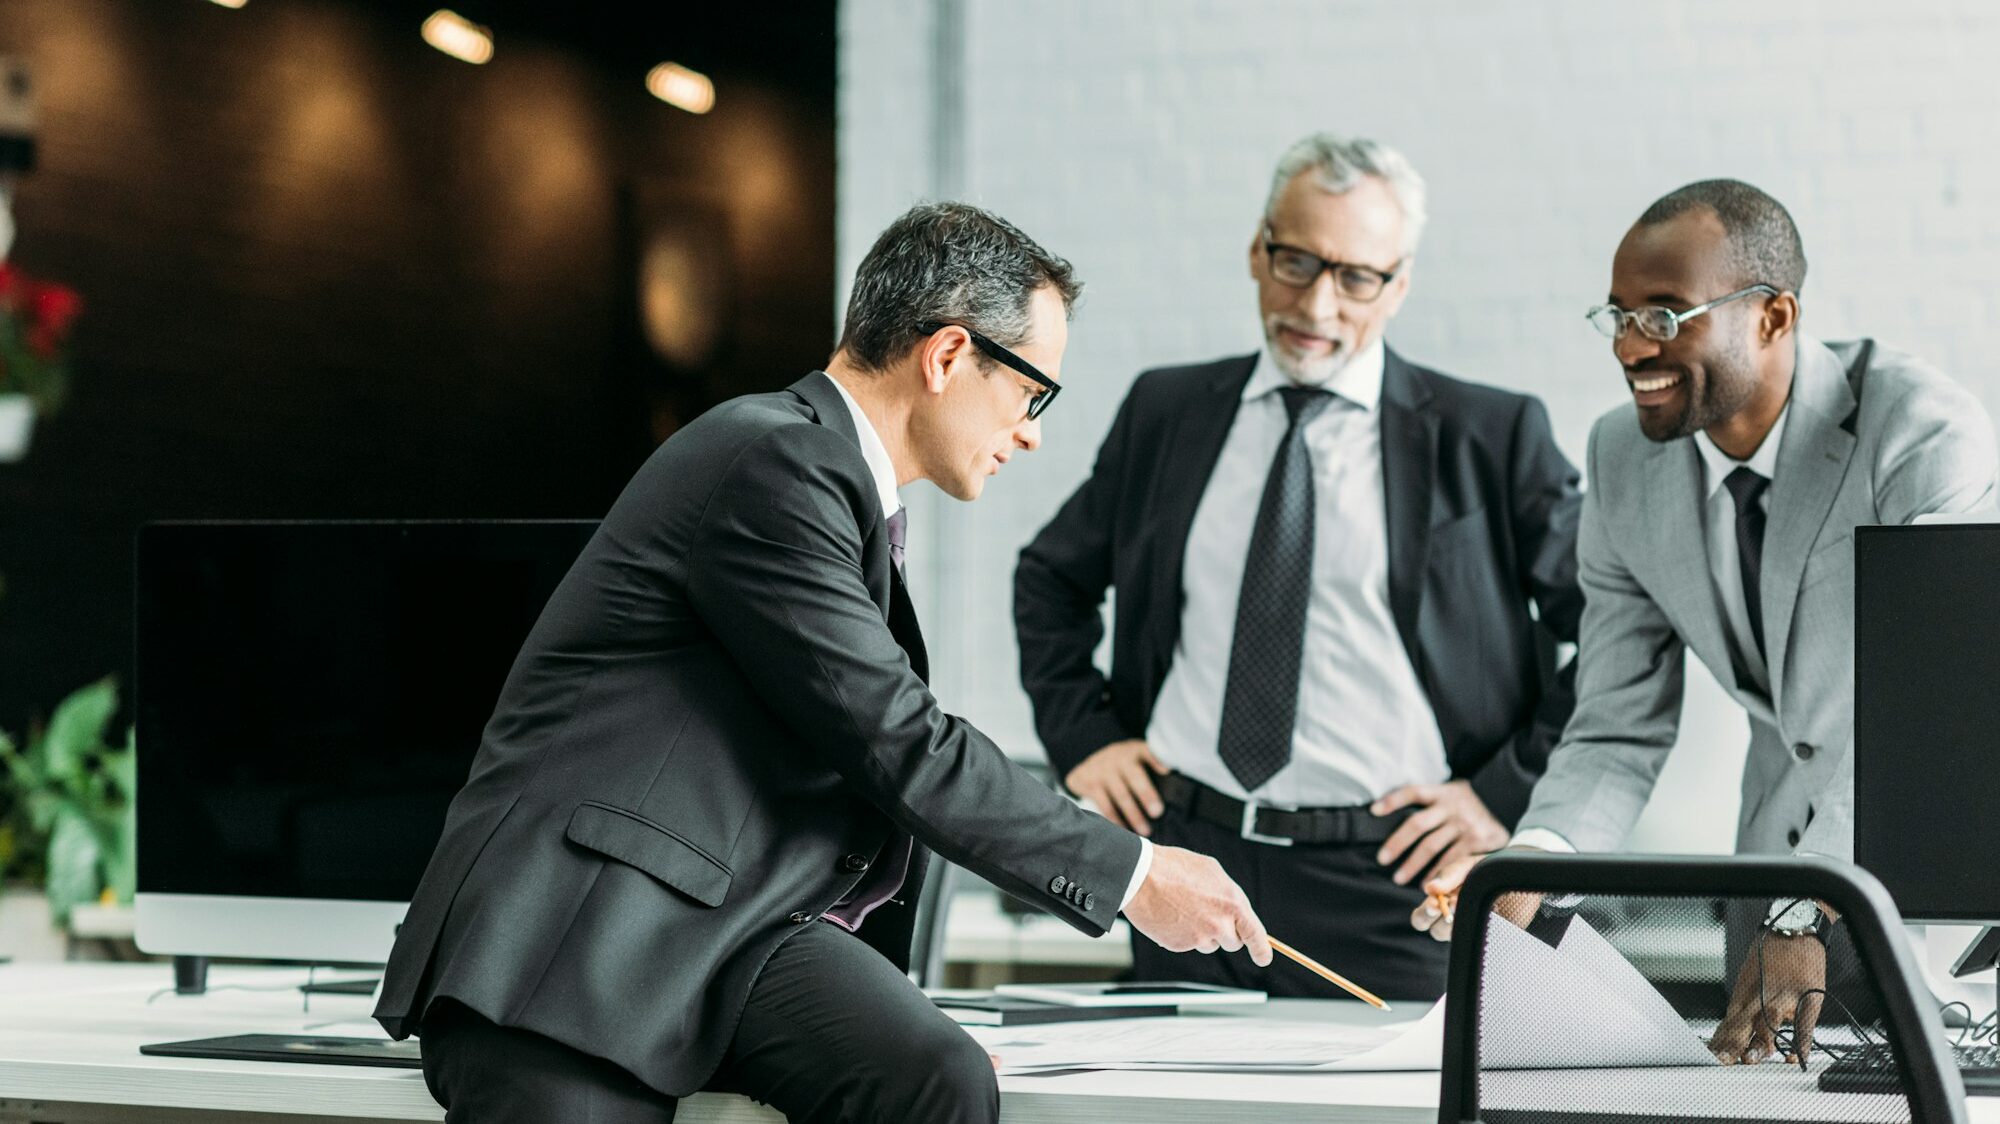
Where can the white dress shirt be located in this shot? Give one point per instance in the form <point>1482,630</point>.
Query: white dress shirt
<point>884,470</point>
<point>1718,518</point>
<point>1363,726</point>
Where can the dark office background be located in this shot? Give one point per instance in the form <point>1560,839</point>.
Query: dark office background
<point>331,272</point>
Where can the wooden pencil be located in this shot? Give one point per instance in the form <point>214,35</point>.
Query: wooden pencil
<point>1327,974</point>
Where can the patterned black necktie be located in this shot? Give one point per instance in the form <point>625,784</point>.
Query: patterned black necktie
<point>1747,488</point>
<point>1262,694</point>
<point>899,525</point>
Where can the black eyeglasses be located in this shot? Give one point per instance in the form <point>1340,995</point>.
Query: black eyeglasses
<point>1050,388</point>
<point>1301,268</point>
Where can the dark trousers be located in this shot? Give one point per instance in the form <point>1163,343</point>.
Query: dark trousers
<point>1332,902</point>
<point>831,1032</point>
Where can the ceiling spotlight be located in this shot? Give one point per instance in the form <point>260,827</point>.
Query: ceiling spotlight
<point>678,86</point>
<point>458,37</point>
<point>231,3</point>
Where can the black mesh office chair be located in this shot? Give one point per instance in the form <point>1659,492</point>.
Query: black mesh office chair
<point>1585,989</point>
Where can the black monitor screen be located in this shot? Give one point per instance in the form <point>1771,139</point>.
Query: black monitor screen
<point>1927,715</point>
<point>309,695</point>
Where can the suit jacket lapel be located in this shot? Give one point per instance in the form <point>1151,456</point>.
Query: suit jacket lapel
<point>1813,456</point>
<point>903,626</point>
<point>830,410</point>
<point>1409,465</point>
<point>1191,451</point>
<point>1675,533</point>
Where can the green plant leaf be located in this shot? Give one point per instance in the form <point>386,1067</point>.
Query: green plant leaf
<point>74,876</point>
<point>121,767</point>
<point>76,731</point>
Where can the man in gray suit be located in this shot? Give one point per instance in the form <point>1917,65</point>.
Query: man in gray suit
<point>1719,517</point>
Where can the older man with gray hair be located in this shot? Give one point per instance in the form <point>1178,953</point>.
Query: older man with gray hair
<point>1340,581</point>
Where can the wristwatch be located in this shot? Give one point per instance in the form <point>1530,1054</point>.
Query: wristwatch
<point>1800,918</point>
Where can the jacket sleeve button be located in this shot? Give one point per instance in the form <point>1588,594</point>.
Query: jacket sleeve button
<point>1057,883</point>
<point>1089,902</point>
<point>855,863</point>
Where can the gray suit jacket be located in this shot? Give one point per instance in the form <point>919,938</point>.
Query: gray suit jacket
<point>1874,436</point>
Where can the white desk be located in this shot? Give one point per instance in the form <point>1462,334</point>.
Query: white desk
<point>70,1037</point>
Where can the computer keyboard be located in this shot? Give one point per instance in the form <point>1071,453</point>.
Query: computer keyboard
<point>1873,1070</point>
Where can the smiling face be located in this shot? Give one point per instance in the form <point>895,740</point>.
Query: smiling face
<point>1710,370</point>
<point>1314,332</point>
<point>974,417</point>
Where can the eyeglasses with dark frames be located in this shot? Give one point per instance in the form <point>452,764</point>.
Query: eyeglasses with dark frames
<point>1300,269</point>
<point>1038,404</point>
<point>1657,322</point>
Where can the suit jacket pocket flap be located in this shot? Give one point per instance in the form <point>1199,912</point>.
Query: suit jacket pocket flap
<point>644,844</point>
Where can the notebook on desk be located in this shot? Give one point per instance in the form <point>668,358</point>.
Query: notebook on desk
<point>988,1009</point>
<point>319,1048</point>
<point>1150,994</point>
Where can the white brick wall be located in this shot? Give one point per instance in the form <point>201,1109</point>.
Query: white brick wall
<point>1135,137</point>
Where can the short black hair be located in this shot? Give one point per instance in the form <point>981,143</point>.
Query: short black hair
<point>1764,243</point>
<point>950,262</point>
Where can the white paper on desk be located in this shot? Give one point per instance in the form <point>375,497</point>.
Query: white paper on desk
<point>1579,1005</point>
<point>1221,1043</point>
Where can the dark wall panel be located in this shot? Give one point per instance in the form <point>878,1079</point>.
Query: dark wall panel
<point>330,272</point>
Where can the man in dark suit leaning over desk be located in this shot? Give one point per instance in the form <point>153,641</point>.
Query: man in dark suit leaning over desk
<point>700,815</point>
<point>1327,561</point>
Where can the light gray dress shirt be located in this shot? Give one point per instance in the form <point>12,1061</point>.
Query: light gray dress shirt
<point>1364,726</point>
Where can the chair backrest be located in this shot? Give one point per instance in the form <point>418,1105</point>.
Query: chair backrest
<point>933,919</point>
<point>1588,989</point>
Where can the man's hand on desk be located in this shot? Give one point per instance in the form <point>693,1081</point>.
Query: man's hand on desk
<point>1454,825</point>
<point>1517,908</point>
<point>1783,980</point>
<point>1118,779</point>
<point>1188,904</point>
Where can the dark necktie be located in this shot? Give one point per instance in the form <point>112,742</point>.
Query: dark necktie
<point>1747,488</point>
<point>899,525</point>
<point>1262,694</point>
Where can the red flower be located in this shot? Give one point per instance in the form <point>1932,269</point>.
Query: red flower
<point>55,308</point>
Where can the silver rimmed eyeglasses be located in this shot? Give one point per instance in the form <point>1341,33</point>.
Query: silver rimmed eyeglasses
<point>1657,322</point>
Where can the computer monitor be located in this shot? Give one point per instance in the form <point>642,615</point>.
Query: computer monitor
<point>308,698</point>
<point>1927,716</point>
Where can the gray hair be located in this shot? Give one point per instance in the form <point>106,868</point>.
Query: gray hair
<point>954,263</point>
<point>1341,162</point>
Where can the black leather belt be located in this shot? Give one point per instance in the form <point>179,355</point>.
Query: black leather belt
<point>1279,827</point>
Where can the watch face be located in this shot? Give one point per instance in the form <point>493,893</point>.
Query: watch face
<point>1798,919</point>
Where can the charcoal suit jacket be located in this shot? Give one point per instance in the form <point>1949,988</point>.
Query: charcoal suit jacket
<point>718,724</point>
<point>1482,521</point>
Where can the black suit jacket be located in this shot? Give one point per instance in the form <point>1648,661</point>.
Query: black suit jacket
<point>1482,518</point>
<point>718,720</point>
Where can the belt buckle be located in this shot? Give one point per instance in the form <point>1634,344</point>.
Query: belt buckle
<point>1249,828</point>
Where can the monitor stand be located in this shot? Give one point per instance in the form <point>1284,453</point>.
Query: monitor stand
<point>1981,954</point>
<point>191,978</point>
<point>341,987</point>
<point>190,975</point>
